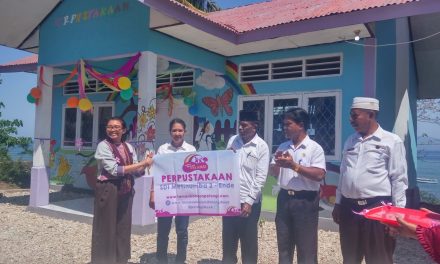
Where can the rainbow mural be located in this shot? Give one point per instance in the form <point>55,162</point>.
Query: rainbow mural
<point>232,77</point>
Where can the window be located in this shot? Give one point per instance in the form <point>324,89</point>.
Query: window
<point>92,86</point>
<point>181,79</point>
<point>323,65</point>
<point>87,126</point>
<point>324,109</point>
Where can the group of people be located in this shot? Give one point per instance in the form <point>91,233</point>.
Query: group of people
<point>373,170</point>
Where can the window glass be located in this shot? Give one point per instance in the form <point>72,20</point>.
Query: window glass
<point>86,131</point>
<point>104,114</point>
<point>258,106</point>
<point>69,126</point>
<point>279,107</point>
<point>322,112</point>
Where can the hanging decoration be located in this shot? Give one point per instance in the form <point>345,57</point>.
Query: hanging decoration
<point>124,83</point>
<point>71,75</point>
<point>73,102</point>
<point>78,144</point>
<point>36,92</point>
<point>34,95</point>
<point>126,94</point>
<point>85,104</point>
<point>31,99</point>
<point>165,92</point>
<point>119,81</point>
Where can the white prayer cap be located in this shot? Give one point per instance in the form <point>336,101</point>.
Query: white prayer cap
<point>366,103</point>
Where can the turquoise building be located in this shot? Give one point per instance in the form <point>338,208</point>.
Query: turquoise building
<point>205,67</point>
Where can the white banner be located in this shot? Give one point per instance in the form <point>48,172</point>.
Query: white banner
<point>202,183</point>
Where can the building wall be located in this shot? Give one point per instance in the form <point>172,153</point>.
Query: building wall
<point>75,31</point>
<point>71,33</point>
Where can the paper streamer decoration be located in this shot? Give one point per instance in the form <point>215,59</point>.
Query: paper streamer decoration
<point>73,101</point>
<point>165,92</point>
<point>71,75</point>
<point>84,104</point>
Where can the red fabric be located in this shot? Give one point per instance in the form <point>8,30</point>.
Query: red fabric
<point>429,238</point>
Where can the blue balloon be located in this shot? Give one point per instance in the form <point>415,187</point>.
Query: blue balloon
<point>193,110</point>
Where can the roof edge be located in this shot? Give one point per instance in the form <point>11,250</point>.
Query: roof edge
<point>343,19</point>
<point>198,21</point>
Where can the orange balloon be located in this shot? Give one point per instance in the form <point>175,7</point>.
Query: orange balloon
<point>36,92</point>
<point>72,101</point>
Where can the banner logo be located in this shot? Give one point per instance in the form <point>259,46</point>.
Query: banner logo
<point>195,162</point>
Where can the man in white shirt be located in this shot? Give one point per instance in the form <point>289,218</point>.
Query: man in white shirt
<point>373,170</point>
<point>299,165</point>
<point>254,162</point>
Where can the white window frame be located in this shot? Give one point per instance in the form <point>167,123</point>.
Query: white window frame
<point>87,92</point>
<point>96,106</point>
<point>303,103</point>
<point>304,58</point>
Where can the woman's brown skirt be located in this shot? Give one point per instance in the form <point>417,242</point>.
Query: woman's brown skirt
<point>111,224</point>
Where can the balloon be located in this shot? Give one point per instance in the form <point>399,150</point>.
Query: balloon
<point>30,99</point>
<point>188,101</point>
<point>85,104</point>
<point>124,83</point>
<point>187,92</point>
<point>36,92</point>
<point>72,101</point>
<point>126,94</point>
<point>193,110</point>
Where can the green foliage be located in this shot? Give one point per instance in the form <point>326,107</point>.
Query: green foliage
<point>8,132</point>
<point>17,172</point>
<point>429,198</point>
<point>203,5</point>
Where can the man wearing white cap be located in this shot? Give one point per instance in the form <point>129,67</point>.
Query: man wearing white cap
<point>373,170</point>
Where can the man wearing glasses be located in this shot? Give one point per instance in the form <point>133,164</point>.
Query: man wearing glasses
<point>299,165</point>
<point>254,162</point>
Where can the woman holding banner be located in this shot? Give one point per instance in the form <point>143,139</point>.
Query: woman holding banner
<point>117,166</point>
<point>177,144</point>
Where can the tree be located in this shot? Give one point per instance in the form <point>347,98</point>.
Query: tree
<point>203,5</point>
<point>8,132</point>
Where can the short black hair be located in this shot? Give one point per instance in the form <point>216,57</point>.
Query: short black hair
<point>177,121</point>
<point>298,115</point>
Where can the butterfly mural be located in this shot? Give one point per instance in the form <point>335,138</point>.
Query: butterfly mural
<point>220,103</point>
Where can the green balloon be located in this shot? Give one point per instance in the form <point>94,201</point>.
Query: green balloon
<point>188,101</point>
<point>30,99</point>
<point>187,92</point>
<point>127,94</point>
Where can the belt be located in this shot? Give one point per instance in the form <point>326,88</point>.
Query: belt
<point>300,194</point>
<point>366,201</point>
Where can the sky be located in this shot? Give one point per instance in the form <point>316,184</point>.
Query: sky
<point>16,86</point>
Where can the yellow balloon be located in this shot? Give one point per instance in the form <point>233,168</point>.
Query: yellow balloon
<point>124,83</point>
<point>85,104</point>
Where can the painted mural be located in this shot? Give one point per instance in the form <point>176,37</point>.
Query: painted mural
<point>211,102</point>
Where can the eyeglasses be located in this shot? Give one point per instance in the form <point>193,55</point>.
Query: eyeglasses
<point>113,127</point>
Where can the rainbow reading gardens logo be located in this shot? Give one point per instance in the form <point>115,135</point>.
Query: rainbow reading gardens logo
<point>195,162</point>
